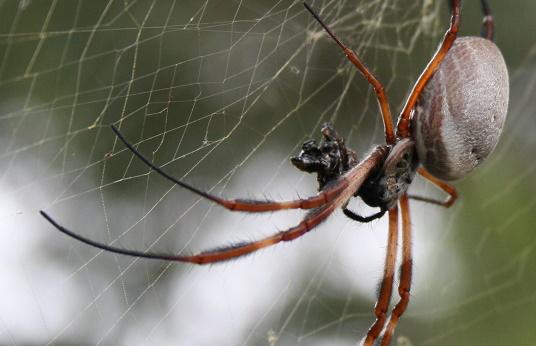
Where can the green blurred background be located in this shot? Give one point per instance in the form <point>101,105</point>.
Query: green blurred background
<point>221,93</point>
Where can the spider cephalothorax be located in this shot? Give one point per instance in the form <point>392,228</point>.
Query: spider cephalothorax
<point>394,178</point>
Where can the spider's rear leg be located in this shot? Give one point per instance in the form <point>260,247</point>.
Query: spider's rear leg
<point>488,23</point>
<point>449,189</point>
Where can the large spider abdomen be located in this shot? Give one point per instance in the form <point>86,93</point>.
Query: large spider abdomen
<point>459,116</point>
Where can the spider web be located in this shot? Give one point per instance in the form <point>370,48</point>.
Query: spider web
<point>220,94</point>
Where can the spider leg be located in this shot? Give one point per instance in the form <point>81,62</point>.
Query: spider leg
<point>381,95</point>
<point>354,177</point>
<point>406,270</point>
<point>449,189</point>
<point>386,286</point>
<point>356,217</point>
<point>448,40</point>
<point>244,204</point>
<point>218,254</point>
<point>488,25</point>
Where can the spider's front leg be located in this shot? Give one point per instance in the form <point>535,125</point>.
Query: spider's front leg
<point>341,190</point>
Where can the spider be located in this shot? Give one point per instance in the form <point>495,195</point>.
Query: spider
<point>450,123</point>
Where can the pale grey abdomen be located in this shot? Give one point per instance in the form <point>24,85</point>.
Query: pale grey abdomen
<point>460,114</point>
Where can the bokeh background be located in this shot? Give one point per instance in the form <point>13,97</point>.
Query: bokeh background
<point>221,94</point>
